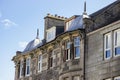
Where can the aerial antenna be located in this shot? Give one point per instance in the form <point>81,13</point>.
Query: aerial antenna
<point>37,37</point>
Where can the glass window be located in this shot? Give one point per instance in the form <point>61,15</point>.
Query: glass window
<point>77,47</point>
<point>117,42</point>
<point>107,46</point>
<point>27,66</point>
<point>21,68</point>
<point>76,77</point>
<point>51,33</point>
<point>39,63</point>
<point>50,59</point>
<point>67,50</point>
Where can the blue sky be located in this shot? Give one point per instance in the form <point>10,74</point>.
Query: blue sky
<point>19,20</point>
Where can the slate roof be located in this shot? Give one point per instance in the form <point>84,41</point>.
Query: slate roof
<point>32,45</point>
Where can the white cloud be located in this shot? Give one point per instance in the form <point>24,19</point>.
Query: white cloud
<point>8,23</point>
<point>22,44</point>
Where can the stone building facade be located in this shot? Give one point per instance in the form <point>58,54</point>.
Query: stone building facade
<point>82,47</point>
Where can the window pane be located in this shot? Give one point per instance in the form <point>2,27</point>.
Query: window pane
<point>77,41</point>
<point>68,45</point>
<point>118,38</point>
<point>107,53</point>
<point>27,66</point>
<point>108,41</point>
<point>28,69</point>
<point>117,51</point>
<point>77,51</point>
<point>115,38</point>
<point>40,63</point>
<point>51,62</point>
<point>21,67</point>
<point>68,54</point>
<point>39,66</point>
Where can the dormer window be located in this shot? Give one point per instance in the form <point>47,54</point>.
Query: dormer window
<point>68,23</point>
<point>51,33</point>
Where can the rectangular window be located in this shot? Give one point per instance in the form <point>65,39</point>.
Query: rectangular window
<point>67,49</point>
<point>50,59</point>
<point>117,78</point>
<point>21,68</point>
<point>117,42</point>
<point>27,66</point>
<point>77,47</point>
<point>107,45</point>
<point>39,63</point>
<point>76,77</point>
<point>51,33</point>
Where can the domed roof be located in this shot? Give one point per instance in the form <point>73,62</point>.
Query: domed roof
<point>33,44</point>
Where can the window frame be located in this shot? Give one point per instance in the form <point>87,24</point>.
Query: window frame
<point>50,59</point>
<point>76,46</point>
<point>105,36</point>
<point>21,68</point>
<point>118,45</point>
<point>40,63</point>
<point>67,50</point>
<point>27,65</point>
<point>51,32</point>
